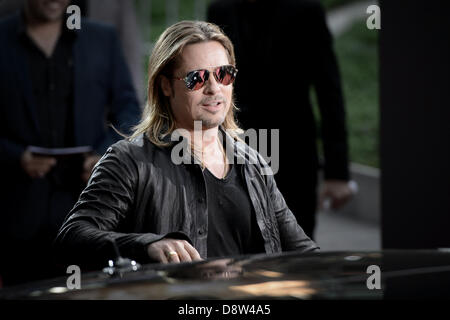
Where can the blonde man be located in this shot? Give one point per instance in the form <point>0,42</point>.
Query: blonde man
<point>160,209</point>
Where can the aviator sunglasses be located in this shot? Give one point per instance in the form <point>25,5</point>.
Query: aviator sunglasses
<point>196,79</point>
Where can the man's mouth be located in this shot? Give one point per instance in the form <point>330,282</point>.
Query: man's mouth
<point>212,106</point>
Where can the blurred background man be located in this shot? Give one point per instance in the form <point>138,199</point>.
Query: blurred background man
<point>284,48</point>
<point>58,88</point>
<point>121,14</point>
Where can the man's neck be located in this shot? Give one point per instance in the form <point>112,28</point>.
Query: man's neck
<point>208,138</point>
<point>44,33</point>
<point>202,138</point>
<point>208,149</point>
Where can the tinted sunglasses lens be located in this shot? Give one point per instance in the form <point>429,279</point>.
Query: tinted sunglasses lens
<point>225,74</point>
<point>196,79</point>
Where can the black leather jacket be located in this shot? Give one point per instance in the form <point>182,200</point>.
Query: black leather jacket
<point>137,195</point>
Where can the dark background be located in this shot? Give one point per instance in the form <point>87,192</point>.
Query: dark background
<point>415,129</point>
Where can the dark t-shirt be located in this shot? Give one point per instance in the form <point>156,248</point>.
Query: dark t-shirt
<point>52,83</point>
<point>232,226</point>
<point>52,80</point>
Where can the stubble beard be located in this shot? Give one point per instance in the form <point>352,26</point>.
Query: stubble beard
<point>209,122</point>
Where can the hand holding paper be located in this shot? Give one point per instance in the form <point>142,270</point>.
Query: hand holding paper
<point>36,166</point>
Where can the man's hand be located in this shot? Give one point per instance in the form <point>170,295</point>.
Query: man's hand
<point>88,165</point>
<point>338,191</point>
<point>36,166</point>
<point>171,250</point>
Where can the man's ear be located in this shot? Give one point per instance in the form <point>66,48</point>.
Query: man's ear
<point>166,86</point>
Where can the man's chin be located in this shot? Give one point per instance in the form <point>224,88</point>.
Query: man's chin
<point>211,123</point>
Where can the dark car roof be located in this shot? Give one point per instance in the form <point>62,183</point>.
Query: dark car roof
<point>326,275</point>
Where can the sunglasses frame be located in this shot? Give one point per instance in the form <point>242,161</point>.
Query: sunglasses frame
<point>207,73</point>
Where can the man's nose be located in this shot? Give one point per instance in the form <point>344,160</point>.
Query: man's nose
<point>211,85</point>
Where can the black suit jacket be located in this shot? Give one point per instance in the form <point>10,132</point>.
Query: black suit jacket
<point>284,48</point>
<point>103,93</point>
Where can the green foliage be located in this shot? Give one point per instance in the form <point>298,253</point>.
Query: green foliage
<point>357,53</point>
<point>153,14</point>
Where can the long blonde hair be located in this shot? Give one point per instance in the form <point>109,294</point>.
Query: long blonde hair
<point>157,118</point>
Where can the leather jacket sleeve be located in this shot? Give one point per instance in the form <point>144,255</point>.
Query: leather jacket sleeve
<point>292,236</point>
<point>87,233</point>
